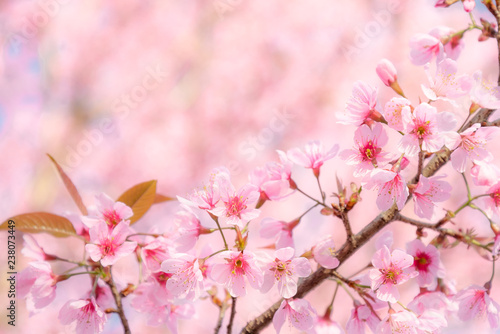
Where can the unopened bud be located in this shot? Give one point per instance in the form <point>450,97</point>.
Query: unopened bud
<point>386,72</point>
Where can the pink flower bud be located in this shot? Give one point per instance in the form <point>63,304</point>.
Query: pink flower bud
<point>386,72</point>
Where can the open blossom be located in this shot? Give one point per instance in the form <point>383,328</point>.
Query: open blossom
<point>108,210</point>
<point>367,153</point>
<point>324,253</point>
<point>38,283</point>
<point>231,268</point>
<point>186,281</point>
<point>285,271</point>
<point>33,250</point>
<point>108,246</point>
<point>491,203</point>
<point>453,43</point>
<point>160,312</point>
<point>207,197</point>
<point>155,252</point>
<point>314,156</point>
<point>273,180</point>
<point>297,312</point>
<point>424,47</point>
<point>484,93</point>
<point>403,322</point>
<point>426,128</point>
<point>84,314</point>
<point>427,192</point>
<point>361,316</point>
<point>188,229</point>
<point>390,270</point>
<point>426,262</point>
<point>475,302</point>
<point>392,112</point>
<point>447,84</point>
<point>238,207</point>
<point>471,144</point>
<point>484,173</point>
<point>361,104</point>
<point>391,186</point>
<point>280,230</point>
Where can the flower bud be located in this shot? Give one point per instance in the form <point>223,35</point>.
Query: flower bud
<point>386,72</point>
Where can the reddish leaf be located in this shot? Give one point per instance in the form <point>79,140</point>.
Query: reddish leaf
<point>71,188</point>
<point>38,222</point>
<point>162,198</point>
<point>139,198</point>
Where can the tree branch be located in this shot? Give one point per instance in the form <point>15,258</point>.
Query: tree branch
<point>231,318</point>
<point>437,161</point>
<point>119,305</point>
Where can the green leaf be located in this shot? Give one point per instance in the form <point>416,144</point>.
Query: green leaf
<point>139,198</point>
<point>38,222</point>
<point>71,188</point>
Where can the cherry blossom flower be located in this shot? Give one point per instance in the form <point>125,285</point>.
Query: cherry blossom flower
<point>447,85</point>
<point>314,156</point>
<point>84,314</point>
<point>154,252</point>
<point>188,229</point>
<point>434,301</point>
<point>230,268</point>
<point>475,302</point>
<point>392,112</point>
<point>453,43</point>
<point>367,153</point>
<point>237,208</point>
<point>424,47</point>
<point>427,192</point>
<point>208,197</point>
<point>361,316</point>
<point>426,262</point>
<point>389,271</point>
<point>391,186</point>
<point>297,312</point>
<point>33,250</point>
<point>38,283</point>
<point>108,210</point>
<point>361,105</point>
<point>427,129</point>
<point>386,72</point>
<point>285,270</point>
<point>484,94</point>
<point>495,250</point>
<point>398,322</point>
<point>109,246</point>
<point>469,5</point>
<point>484,173</point>
<point>325,325</point>
<point>280,230</point>
<point>324,253</point>
<point>491,203</point>
<point>471,144</point>
<point>186,281</point>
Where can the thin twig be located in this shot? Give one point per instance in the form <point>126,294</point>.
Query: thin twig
<point>231,317</point>
<point>119,305</point>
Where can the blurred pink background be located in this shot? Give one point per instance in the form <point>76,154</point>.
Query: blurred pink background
<point>122,92</point>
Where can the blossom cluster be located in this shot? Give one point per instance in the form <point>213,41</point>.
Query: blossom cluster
<point>177,269</point>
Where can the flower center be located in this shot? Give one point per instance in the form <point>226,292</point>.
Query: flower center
<point>111,217</point>
<point>422,261</point>
<point>108,247</point>
<point>235,206</point>
<point>422,129</point>
<point>496,197</point>
<point>391,275</point>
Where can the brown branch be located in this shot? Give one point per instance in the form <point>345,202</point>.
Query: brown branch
<point>348,230</point>
<point>119,305</point>
<point>231,317</point>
